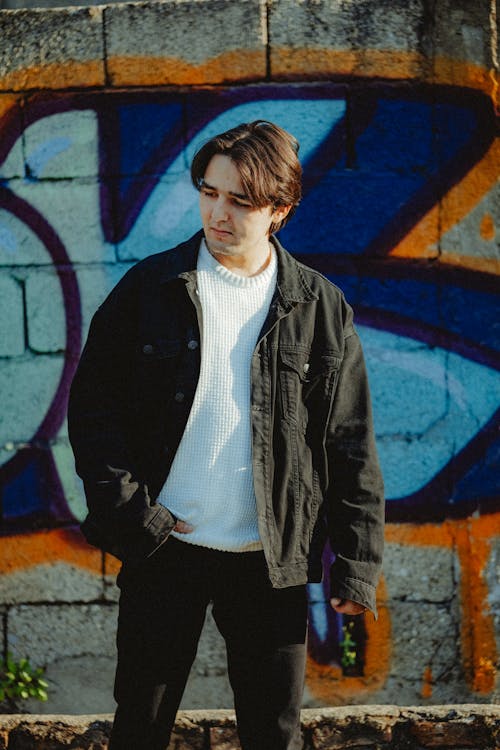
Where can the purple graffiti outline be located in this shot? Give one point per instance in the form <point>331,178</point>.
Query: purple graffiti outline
<point>55,413</point>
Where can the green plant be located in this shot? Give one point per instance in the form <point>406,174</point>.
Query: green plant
<point>19,681</point>
<point>348,646</point>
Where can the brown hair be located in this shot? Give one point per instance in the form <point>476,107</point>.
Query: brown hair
<point>265,156</point>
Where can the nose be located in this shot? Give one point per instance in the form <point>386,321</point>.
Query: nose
<point>219,210</point>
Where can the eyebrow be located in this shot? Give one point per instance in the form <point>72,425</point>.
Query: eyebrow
<point>241,196</point>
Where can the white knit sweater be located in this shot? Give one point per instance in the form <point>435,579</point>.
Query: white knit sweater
<point>210,484</point>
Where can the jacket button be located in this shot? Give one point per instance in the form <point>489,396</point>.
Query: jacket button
<point>148,348</point>
<point>193,344</point>
<point>179,396</point>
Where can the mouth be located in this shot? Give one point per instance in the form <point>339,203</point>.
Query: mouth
<point>220,232</point>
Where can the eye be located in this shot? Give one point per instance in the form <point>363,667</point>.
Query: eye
<point>241,204</point>
<point>208,193</point>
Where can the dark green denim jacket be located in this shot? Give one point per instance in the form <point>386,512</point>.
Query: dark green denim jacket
<point>316,472</point>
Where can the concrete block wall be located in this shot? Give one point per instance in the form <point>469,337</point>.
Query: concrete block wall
<point>395,106</point>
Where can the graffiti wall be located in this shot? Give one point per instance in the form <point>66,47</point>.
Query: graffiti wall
<point>400,209</point>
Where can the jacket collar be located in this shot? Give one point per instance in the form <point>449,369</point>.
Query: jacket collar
<point>292,285</point>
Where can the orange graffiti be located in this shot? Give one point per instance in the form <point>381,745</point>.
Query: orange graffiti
<point>426,691</point>
<point>487,228</point>
<point>243,65</point>
<point>39,547</point>
<point>471,539</point>
<point>236,65</point>
<point>424,239</point>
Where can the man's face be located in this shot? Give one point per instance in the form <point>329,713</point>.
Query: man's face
<point>232,225</point>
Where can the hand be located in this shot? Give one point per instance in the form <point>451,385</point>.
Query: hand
<point>183,528</point>
<point>347,606</point>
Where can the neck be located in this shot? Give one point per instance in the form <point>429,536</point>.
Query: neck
<point>244,264</point>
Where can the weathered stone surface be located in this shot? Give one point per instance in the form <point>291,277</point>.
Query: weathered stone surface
<point>332,37</point>
<point>224,739</point>
<point>44,305</point>
<point>32,381</point>
<point>55,632</point>
<point>51,48</point>
<point>462,31</point>
<point>419,573</point>
<point>71,208</point>
<point>160,43</point>
<point>82,684</point>
<point>51,582</point>
<point>11,316</point>
<point>472,727</point>
<point>61,145</point>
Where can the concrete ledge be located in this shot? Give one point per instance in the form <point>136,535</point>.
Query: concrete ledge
<point>369,727</point>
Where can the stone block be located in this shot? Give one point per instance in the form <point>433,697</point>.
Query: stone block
<point>463,32</point>
<point>51,582</point>
<point>61,145</point>
<point>45,312</point>
<point>163,43</point>
<point>28,385</point>
<point>11,317</point>
<point>60,732</point>
<point>363,38</point>
<point>11,151</point>
<point>72,209</point>
<point>426,638</point>
<point>21,243</point>
<point>419,573</point>
<point>473,231</point>
<point>51,48</point>
<point>78,685</point>
<point>53,632</point>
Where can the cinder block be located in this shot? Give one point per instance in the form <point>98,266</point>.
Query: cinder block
<point>474,232</point>
<point>463,32</point>
<point>28,386</point>
<point>62,145</point>
<point>427,638</point>
<point>11,153</point>
<point>364,38</point>
<point>52,582</point>
<point>71,208</point>
<point>185,42</point>
<point>51,633</point>
<point>51,48</point>
<point>45,312</point>
<point>19,243</point>
<point>78,685</point>
<point>11,317</point>
<point>419,573</point>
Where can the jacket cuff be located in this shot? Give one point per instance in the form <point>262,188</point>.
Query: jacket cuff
<point>355,590</point>
<point>131,544</point>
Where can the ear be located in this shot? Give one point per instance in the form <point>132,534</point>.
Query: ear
<point>280,213</point>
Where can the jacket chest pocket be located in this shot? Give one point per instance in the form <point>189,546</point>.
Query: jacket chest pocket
<point>306,380</point>
<point>157,364</point>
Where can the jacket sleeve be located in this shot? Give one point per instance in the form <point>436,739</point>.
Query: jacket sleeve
<point>355,495</point>
<point>122,518</point>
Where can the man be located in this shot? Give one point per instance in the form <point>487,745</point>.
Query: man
<point>221,423</point>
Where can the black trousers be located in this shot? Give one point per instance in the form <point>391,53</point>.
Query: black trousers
<point>162,609</point>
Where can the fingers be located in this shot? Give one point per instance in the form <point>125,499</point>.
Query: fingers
<point>183,528</point>
<point>346,606</point>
